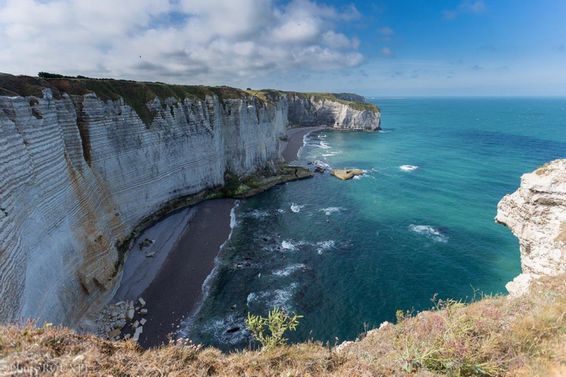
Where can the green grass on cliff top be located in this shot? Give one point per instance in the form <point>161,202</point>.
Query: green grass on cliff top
<point>137,94</point>
<point>268,94</point>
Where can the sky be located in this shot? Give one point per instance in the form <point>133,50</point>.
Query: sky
<point>374,48</point>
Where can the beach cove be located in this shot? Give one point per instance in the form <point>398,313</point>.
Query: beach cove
<point>171,260</point>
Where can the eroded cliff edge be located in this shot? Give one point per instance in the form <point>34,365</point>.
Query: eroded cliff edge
<point>83,162</point>
<point>536,214</point>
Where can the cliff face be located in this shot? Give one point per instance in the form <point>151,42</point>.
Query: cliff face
<point>335,111</point>
<point>536,214</point>
<point>85,162</point>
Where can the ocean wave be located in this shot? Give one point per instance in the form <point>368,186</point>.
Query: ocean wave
<point>324,246</point>
<point>330,154</point>
<point>233,221</point>
<point>321,144</point>
<point>408,167</point>
<point>296,208</point>
<point>324,145</point>
<point>229,330</point>
<point>288,245</point>
<point>289,269</point>
<point>322,164</point>
<point>256,214</point>
<point>430,232</point>
<point>280,298</point>
<point>330,210</point>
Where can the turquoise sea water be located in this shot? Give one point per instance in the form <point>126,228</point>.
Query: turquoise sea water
<point>347,255</point>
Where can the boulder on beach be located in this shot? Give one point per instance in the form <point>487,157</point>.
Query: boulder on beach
<point>345,174</point>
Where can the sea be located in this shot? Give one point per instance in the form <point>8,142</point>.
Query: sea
<point>418,226</point>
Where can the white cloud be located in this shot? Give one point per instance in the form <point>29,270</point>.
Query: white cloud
<point>466,6</point>
<point>339,40</point>
<point>386,51</point>
<point>386,31</point>
<point>214,41</point>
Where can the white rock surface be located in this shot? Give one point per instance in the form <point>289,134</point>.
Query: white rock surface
<point>314,111</point>
<point>536,214</point>
<point>78,174</point>
<point>81,173</point>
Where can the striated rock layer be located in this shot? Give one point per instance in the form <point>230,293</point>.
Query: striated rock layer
<point>333,110</point>
<point>536,214</point>
<point>84,162</point>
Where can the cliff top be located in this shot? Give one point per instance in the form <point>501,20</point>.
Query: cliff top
<point>138,93</point>
<point>355,101</point>
<point>494,336</point>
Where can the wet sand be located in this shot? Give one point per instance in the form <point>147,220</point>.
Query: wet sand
<point>177,288</point>
<point>171,282</point>
<point>295,141</point>
<point>139,269</point>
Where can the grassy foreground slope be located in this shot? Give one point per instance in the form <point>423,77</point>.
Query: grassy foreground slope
<point>495,336</point>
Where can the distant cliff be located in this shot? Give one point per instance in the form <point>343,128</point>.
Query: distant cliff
<point>536,213</point>
<point>84,162</point>
<point>341,111</point>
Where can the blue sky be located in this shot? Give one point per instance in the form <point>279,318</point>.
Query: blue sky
<point>501,47</point>
<point>381,48</point>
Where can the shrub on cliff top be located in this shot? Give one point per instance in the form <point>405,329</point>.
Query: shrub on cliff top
<point>270,330</point>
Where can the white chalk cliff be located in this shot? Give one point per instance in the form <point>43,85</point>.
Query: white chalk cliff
<point>536,214</point>
<point>79,172</point>
<point>316,110</point>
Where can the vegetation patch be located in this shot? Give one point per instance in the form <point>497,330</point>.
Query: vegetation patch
<point>495,336</point>
<point>262,180</point>
<point>270,95</point>
<point>357,105</point>
<point>135,94</point>
<point>270,331</point>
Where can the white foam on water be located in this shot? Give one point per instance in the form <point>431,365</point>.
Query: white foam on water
<point>324,145</point>
<point>233,221</point>
<point>322,164</point>
<point>256,214</point>
<point>330,210</point>
<point>330,154</point>
<point>408,167</point>
<point>288,245</point>
<point>289,270</point>
<point>296,208</point>
<point>277,298</point>
<point>325,246</point>
<point>187,323</point>
<point>281,210</point>
<point>430,232</point>
<point>218,327</point>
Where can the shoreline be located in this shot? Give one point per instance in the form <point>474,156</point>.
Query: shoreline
<point>296,140</point>
<point>173,283</point>
<point>177,288</point>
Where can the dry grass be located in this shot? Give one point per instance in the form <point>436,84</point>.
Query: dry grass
<point>492,337</point>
